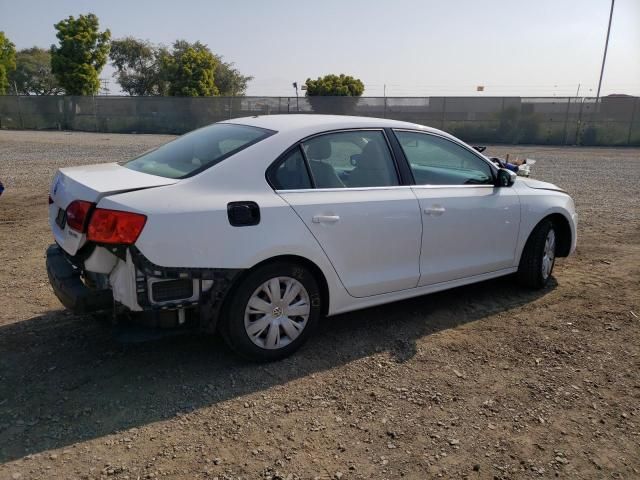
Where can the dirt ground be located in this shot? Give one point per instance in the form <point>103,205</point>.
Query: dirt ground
<point>485,381</point>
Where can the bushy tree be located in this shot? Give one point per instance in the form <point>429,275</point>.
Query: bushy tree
<point>189,69</point>
<point>82,53</point>
<point>228,79</point>
<point>335,85</point>
<point>7,62</point>
<point>33,75</point>
<point>143,68</point>
<point>138,66</point>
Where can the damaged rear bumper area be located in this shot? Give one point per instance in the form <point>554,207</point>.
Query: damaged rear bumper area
<point>102,278</point>
<point>70,289</point>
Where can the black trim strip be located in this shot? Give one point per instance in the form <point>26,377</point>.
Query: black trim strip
<point>396,166</point>
<point>307,165</point>
<point>406,175</point>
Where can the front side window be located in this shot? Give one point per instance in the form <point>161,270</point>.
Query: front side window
<point>198,150</point>
<point>437,161</point>
<point>350,160</point>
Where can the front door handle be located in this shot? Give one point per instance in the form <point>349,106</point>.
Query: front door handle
<point>325,218</point>
<point>436,211</point>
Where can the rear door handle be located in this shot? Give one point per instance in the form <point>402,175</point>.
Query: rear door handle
<point>325,218</point>
<point>435,211</point>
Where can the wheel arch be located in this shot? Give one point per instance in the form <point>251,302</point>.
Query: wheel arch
<point>563,231</point>
<point>315,270</point>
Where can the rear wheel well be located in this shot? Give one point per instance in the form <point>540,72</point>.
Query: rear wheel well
<point>563,233</point>
<point>308,264</point>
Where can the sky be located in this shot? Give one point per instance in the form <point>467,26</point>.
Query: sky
<point>397,47</point>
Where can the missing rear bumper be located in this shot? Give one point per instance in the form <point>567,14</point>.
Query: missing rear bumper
<point>211,286</point>
<point>70,289</point>
<point>156,295</point>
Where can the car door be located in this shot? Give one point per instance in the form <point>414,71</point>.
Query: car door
<point>470,226</point>
<point>346,189</point>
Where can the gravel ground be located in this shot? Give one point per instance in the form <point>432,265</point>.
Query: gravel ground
<point>485,381</point>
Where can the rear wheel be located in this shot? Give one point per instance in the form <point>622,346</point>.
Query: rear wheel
<point>272,312</point>
<point>538,256</point>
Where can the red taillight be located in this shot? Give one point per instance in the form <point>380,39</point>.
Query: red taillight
<point>78,214</point>
<point>114,226</point>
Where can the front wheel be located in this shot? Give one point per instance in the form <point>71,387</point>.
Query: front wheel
<point>538,256</point>
<point>272,312</point>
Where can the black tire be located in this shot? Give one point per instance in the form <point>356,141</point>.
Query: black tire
<point>530,271</point>
<point>232,324</point>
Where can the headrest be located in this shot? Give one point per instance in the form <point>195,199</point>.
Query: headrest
<point>372,157</point>
<point>319,149</point>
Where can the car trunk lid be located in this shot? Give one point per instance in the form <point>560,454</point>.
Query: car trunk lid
<point>91,184</point>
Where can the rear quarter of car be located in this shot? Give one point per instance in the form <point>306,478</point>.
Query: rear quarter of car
<point>189,234</point>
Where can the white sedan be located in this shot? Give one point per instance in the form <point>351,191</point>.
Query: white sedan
<point>256,227</point>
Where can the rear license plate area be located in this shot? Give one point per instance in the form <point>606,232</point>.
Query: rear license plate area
<point>61,218</point>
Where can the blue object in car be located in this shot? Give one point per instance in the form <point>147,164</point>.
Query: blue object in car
<point>511,166</point>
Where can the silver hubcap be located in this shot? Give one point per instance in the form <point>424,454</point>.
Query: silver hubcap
<point>549,254</point>
<point>277,312</point>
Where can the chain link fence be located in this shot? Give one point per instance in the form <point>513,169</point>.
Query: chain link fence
<point>614,120</point>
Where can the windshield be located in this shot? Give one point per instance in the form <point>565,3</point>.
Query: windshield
<point>198,150</point>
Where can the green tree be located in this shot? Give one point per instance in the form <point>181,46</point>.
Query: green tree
<point>138,66</point>
<point>189,69</point>
<point>33,75</point>
<point>7,62</point>
<point>143,68</point>
<point>228,79</point>
<point>335,85</point>
<point>81,55</point>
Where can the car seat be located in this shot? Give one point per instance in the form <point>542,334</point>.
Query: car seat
<point>325,176</point>
<point>373,169</point>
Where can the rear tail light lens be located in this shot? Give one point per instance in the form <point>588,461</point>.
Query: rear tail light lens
<point>78,214</point>
<point>114,226</point>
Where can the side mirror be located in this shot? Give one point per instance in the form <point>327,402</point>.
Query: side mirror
<point>506,178</point>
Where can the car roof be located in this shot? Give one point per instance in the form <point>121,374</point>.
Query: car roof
<point>309,124</point>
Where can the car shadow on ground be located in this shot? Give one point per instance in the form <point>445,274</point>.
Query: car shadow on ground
<point>63,379</point>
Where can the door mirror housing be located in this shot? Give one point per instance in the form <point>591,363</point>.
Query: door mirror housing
<point>505,178</point>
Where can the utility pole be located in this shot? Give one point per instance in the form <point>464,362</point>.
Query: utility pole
<point>604,57</point>
<point>384,93</point>
<point>295,85</point>
<point>15,87</point>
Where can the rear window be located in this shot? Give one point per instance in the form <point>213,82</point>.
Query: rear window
<point>198,150</point>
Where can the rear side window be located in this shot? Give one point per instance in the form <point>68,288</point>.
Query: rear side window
<point>292,173</point>
<point>198,150</point>
<point>351,160</point>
